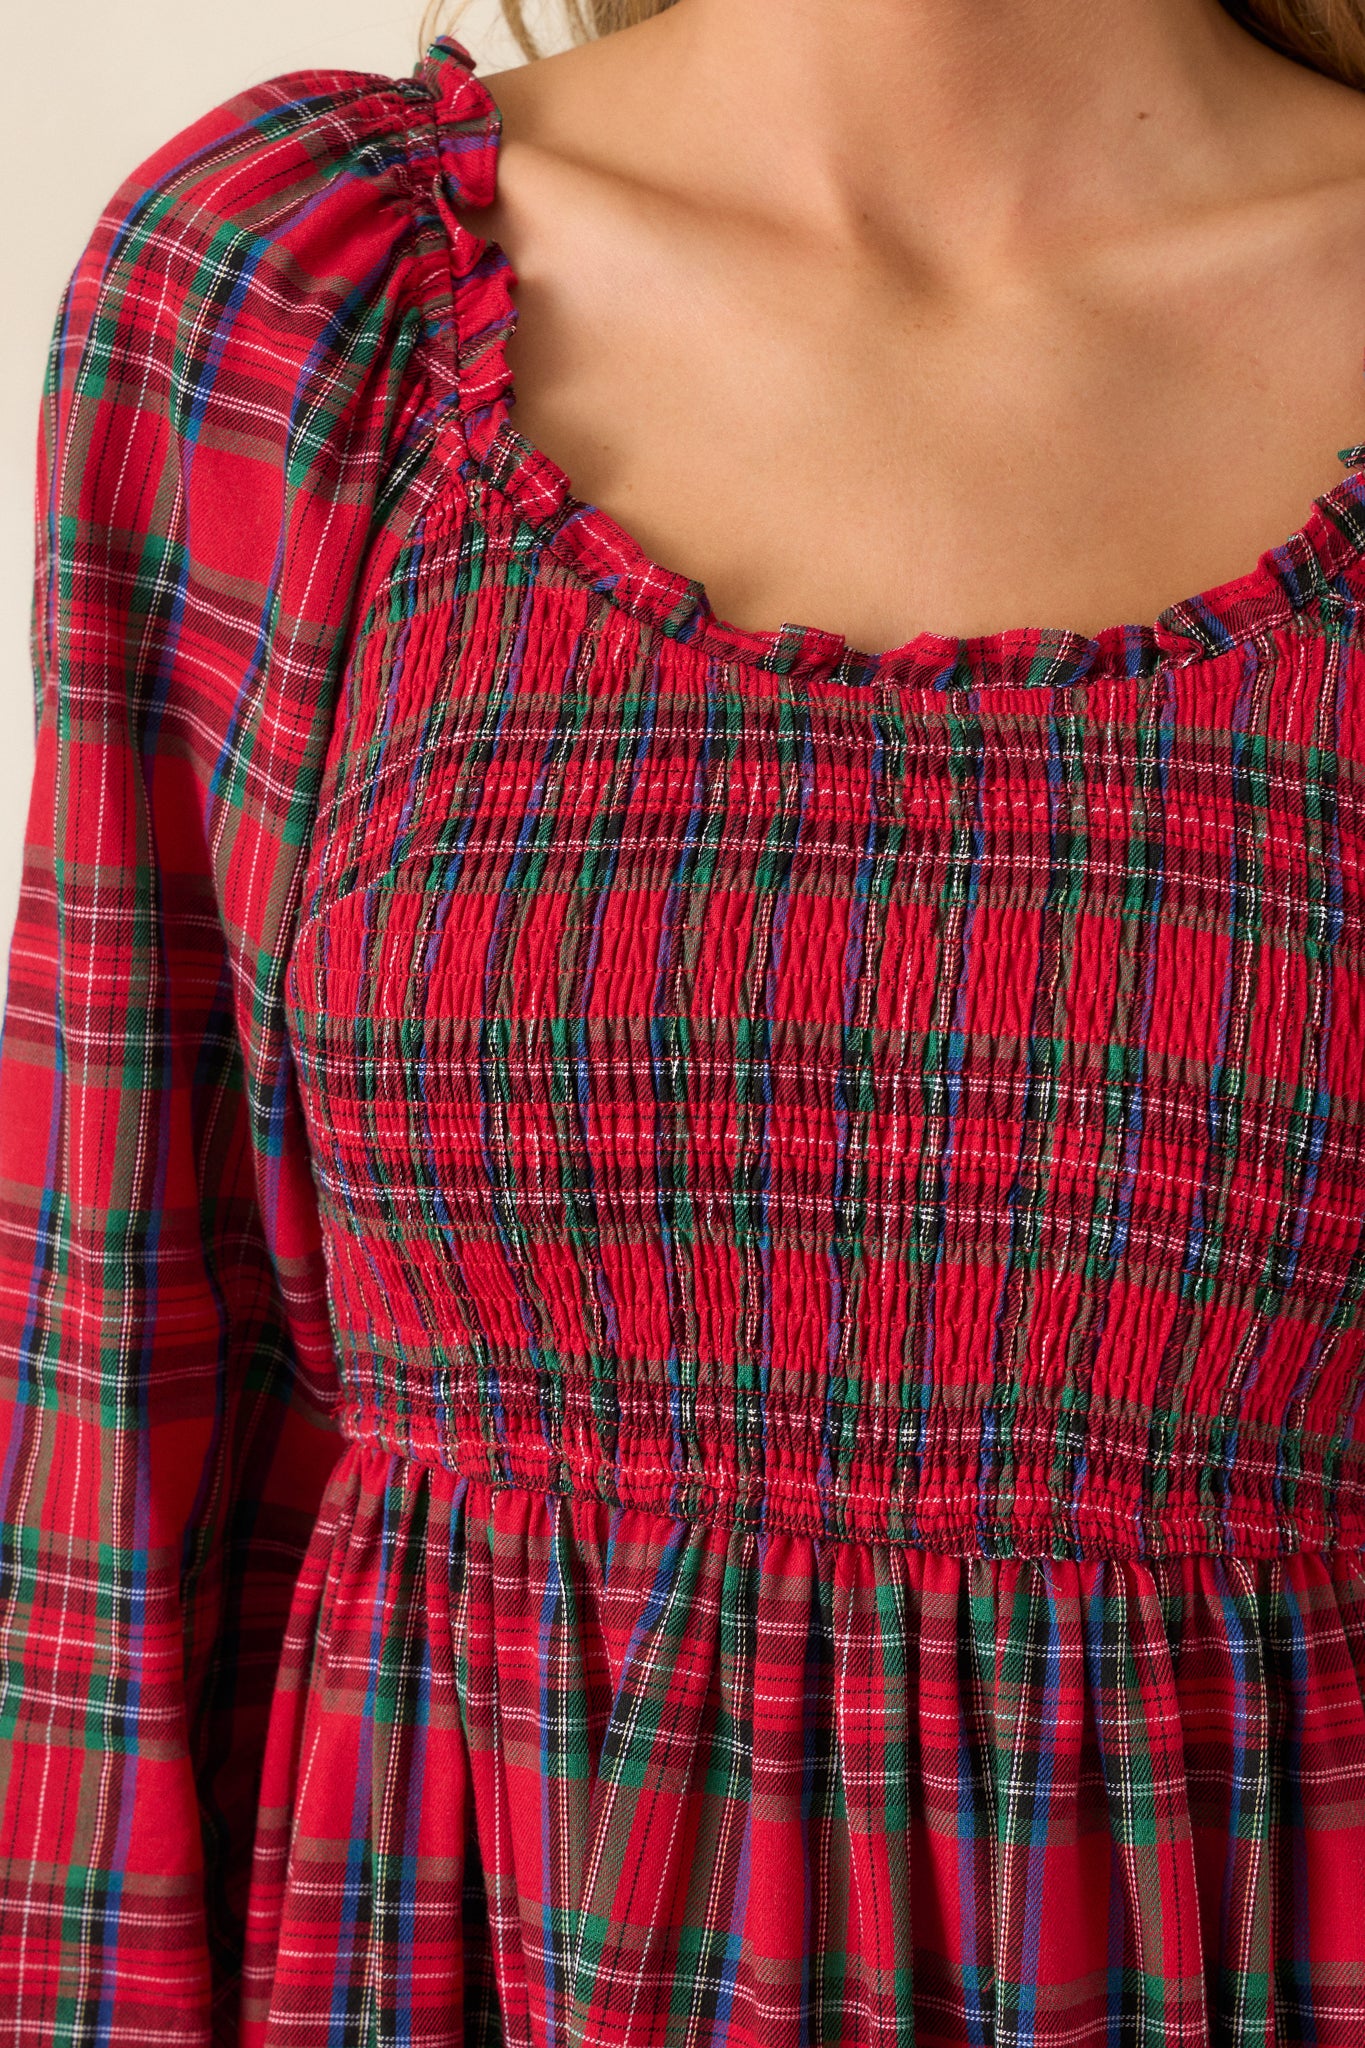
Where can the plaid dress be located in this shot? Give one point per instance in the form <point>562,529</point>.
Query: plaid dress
<point>682,1311</point>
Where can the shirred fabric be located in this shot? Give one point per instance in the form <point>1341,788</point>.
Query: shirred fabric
<point>681,1322</point>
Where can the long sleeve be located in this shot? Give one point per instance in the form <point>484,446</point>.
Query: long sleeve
<point>247,395</point>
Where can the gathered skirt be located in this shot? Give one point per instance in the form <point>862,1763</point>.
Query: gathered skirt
<point>542,1770</point>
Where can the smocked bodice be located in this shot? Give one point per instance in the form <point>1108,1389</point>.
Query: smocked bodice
<point>891,1110</point>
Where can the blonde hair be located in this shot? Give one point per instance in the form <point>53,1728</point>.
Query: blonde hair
<point>1326,35</point>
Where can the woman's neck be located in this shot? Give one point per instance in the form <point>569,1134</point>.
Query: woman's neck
<point>991,126</point>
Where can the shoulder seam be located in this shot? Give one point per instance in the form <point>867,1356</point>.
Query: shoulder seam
<point>421,173</point>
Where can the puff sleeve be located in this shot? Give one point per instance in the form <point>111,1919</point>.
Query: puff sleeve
<point>247,396</point>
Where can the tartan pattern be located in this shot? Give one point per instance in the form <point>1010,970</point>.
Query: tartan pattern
<point>680,1310</point>
<point>716,1784</point>
<point>249,395</point>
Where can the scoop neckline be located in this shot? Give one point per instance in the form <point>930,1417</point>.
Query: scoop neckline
<point>1285,579</point>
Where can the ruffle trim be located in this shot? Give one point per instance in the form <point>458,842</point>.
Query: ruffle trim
<point>1305,571</point>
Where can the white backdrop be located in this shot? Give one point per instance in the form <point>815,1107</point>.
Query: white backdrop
<point>85,94</point>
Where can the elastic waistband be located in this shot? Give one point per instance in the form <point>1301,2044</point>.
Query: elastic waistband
<point>1033,1480</point>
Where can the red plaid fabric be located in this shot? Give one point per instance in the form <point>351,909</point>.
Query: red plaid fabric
<point>681,1325</point>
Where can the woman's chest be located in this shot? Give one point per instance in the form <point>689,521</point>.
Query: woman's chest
<point>605,935</point>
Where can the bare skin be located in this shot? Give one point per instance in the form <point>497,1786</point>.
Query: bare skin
<point>926,315</point>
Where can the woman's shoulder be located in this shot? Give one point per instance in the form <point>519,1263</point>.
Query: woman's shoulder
<point>253,387</point>
<point>264,312</point>
<point>307,186</point>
